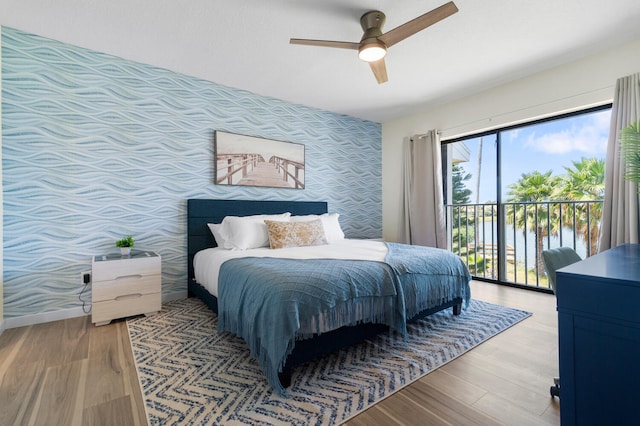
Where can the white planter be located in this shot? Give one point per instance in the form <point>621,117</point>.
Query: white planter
<point>125,251</point>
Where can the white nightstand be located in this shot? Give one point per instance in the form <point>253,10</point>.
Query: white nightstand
<point>123,286</point>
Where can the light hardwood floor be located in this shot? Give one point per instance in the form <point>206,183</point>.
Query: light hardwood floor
<point>72,373</point>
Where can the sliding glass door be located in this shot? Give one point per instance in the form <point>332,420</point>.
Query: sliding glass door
<point>513,192</point>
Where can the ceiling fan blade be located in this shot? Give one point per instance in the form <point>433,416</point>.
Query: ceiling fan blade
<point>379,70</point>
<point>418,24</point>
<point>325,43</point>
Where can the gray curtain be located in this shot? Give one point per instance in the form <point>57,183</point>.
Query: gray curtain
<point>423,220</point>
<point>620,219</point>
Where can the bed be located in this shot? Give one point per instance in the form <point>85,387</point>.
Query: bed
<point>403,303</point>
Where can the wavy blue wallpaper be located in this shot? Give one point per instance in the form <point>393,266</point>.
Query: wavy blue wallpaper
<point>96,147</point>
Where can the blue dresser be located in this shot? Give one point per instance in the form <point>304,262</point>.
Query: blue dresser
<point>599,337</point>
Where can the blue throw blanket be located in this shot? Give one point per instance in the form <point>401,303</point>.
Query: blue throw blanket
<point>428,276</point>
<point>263,300</point>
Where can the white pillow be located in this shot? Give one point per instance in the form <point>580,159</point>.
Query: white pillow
<point>332,229</point>
<point>247,232</point>
<point>218,233</point>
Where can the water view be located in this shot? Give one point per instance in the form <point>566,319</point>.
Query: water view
<point>547,181</point>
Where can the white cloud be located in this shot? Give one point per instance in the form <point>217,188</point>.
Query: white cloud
<point>590,138</point>
<point>512,135</point>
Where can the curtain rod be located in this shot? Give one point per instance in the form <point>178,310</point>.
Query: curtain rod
<point>438,132</point>
<point>491,118</point>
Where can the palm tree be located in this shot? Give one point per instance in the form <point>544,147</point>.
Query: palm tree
<point>584,181</point>
<point>534,187</point>
<point>630,149</point>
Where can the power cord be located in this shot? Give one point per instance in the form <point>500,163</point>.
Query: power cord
<point>86,279</point>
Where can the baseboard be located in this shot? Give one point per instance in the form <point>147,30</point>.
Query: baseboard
<point>44,317</point>
<point>68,313</point>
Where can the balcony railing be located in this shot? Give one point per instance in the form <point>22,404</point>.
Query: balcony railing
<point>505,243</point>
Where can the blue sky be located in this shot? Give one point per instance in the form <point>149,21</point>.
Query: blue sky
<point>546,146</point>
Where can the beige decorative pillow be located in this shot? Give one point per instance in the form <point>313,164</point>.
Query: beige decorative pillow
<point>295,234</point>
<point>330,222</point>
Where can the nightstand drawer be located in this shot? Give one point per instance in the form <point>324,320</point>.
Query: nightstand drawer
<point>126,305</point>
<point>126,285</point>
<point>112,270</point>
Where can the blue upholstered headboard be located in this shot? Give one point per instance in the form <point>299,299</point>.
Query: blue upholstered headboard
<point>200,212</point>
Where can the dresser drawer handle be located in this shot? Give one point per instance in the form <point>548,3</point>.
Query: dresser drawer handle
<point>124,277</point>
<point>129,296</point>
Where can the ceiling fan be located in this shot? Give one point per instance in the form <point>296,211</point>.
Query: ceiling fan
<point>373,45</point>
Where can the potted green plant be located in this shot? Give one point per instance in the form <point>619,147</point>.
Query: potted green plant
<point>630,150</point>
<point>125,245</point>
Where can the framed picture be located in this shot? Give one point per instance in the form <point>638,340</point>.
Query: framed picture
<point>251,161</point>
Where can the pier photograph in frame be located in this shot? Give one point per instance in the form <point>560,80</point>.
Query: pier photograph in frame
<point>252,161</point>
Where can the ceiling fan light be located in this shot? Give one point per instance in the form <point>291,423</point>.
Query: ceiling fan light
<point>372,52</point>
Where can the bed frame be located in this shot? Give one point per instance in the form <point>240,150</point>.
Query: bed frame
<point>200,212</point>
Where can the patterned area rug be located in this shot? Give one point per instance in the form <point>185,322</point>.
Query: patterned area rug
<point>190,374</point>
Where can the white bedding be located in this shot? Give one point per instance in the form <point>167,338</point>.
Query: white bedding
<point>206,263</point>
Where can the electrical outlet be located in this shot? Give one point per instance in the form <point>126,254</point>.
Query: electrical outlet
<point>85,278</point>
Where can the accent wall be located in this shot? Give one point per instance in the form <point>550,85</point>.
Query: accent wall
<point>96,147</point>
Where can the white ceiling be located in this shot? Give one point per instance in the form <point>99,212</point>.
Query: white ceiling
<point>245,43</point>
